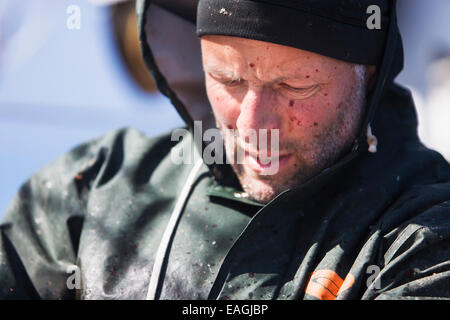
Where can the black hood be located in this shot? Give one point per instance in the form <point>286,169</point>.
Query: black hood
<point>171,50</point>
<point>342,30</point>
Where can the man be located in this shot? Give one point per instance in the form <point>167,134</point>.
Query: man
<point>358,208</point>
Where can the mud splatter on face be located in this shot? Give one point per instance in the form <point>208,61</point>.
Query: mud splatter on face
<point>313,131</point>
<point>295,120</point>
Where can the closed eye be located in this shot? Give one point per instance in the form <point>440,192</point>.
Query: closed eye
<point>232,83</point>
<point>227,81</point>
<point>304,89</point>
<point>301,93</point>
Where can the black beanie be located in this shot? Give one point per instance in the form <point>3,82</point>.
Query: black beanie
<point>334,28</point>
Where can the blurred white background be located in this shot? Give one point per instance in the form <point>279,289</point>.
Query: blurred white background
<point>425,27</point>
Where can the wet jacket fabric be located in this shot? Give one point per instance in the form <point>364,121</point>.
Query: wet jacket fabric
<point>97,223</point>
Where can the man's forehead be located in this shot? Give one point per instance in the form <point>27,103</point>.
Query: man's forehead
<point>233,42</point>
<point>230,46</point>
<point>227,56</point>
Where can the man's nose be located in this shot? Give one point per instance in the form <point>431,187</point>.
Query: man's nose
<point>258,110</point>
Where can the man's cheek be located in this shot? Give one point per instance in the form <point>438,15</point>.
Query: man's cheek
<point>321,113</point>
<point>216,95</point>
<point>225,111</point>
<point>305,120</point>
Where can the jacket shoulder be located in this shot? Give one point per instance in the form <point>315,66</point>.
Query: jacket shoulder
<point>91,164</point>
<point>43,223</point>
<point>415,256</point>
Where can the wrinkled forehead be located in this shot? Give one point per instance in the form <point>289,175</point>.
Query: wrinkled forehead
<point>234,47</point>
<point>235,57</point>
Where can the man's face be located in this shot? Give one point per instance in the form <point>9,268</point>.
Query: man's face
<point>315,102</point>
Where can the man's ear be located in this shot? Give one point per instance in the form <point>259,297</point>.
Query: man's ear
<point>371,77</point>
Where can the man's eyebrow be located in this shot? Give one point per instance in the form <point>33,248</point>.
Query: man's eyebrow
<point>229,74</point>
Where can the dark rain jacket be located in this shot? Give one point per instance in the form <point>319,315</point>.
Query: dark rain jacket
<point>115,218</point>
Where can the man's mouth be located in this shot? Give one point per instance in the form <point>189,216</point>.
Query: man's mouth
<point>266,165</point>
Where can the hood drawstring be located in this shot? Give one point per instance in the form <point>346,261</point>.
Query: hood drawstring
<point>372,141</point>
<point>169,232</point>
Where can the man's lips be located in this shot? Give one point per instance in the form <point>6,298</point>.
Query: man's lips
<point>260,164</point>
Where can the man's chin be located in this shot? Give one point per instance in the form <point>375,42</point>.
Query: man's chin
<point>259,191</point>
<point>262,188</point>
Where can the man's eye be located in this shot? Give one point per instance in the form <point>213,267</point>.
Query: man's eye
<point>231,83</point>
<point>227,82</point>
<point>286,86</point>
<point>304,91</point>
